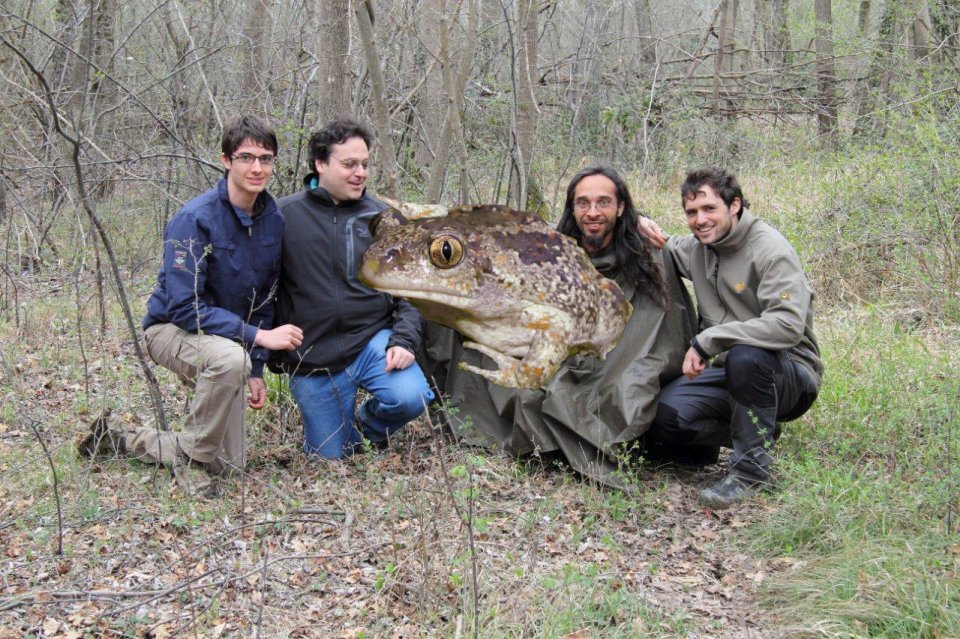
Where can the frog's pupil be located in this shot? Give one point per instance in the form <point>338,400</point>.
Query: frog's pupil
<point>447,251</point>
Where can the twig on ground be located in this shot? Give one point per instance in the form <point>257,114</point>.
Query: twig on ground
<point>56,486</point>
<point>263,588</point>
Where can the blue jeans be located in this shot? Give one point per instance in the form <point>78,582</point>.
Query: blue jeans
<point>332,428</point>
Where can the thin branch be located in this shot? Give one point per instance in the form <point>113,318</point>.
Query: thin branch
<point>56,484</point>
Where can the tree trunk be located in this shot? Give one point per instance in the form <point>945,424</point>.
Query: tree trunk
<point>863,17</point>
<point>826,73</point>
<point>525,104</point>
<point>334,62</point>
<point>919,29</point>
<point>724,61</point>
<point>647,42</point>
<point>877,82</point>
<point>363,11</point>
<point>453,84</point>
<point>772,15</point>
<point>256,30</point>
<point>780,41</point>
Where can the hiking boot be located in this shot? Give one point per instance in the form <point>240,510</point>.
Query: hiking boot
<point>106,437</point>
<point>731,490</point>
<point>192,478</point>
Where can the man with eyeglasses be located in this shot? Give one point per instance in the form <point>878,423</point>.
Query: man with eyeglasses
<point>354,337</point>
<point>210,317</point>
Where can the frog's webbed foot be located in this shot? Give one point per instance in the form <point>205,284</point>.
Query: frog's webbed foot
<point>511,372</point>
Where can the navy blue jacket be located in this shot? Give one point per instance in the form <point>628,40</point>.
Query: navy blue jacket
<point>320,290</point>
<point>220,269</point>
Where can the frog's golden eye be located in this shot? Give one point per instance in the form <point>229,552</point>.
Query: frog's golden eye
<point>446,251</point>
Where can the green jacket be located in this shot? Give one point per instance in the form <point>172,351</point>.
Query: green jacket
<point>750,289</point>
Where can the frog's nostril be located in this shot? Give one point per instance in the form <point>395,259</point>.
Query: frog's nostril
<point>391,254</point>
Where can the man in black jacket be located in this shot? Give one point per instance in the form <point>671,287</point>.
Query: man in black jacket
<point>354,337</point>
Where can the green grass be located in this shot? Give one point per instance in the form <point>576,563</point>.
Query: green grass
<point>871,482</point>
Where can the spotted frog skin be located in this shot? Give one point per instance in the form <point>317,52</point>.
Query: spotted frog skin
<point>527,296</point>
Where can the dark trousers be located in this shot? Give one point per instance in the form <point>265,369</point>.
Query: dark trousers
<point>737,406</point>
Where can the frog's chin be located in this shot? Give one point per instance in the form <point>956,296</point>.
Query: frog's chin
<point>450,308</point>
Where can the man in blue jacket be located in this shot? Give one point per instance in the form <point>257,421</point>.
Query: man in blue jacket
<point>210,317</point>
<point>354,337</point>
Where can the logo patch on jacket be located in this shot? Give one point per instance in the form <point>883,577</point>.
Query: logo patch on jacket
<point>180,260</point>
<point>784,295</point>
<point>740,287</point>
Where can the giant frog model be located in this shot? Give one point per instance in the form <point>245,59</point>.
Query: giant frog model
<point>526,295</point>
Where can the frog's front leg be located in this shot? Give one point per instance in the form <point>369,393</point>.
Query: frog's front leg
<point>507,366</point>
<point>533,371</point>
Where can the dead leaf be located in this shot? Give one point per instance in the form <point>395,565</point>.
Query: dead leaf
<point>50,626</point>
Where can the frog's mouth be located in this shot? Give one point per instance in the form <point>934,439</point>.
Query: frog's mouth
<point>447,298</point>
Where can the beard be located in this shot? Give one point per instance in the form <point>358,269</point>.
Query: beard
<point>595,241</point>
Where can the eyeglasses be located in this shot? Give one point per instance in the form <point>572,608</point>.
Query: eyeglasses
<point>603,205</point>
<point>247,158</point>
<point>351,164</point>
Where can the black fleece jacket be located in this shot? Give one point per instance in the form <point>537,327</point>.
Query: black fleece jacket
<point>323,246</point>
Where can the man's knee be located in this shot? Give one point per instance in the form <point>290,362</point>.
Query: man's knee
<point>406,400</point>
<point>228,362</point>
<point>746,366</point>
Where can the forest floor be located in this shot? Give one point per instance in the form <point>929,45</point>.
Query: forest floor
<point>375,547</point>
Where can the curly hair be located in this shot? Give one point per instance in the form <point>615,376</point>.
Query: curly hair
<point>336,132</point>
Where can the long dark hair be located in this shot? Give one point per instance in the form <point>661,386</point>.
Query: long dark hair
<point>634,253</point>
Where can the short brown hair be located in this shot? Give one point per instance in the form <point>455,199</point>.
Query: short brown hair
<point>248,127</point>
<point>720,180</point>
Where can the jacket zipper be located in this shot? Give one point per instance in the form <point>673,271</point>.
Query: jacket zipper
<point>335,238</point>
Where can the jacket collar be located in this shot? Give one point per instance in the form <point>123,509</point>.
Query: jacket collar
<point>312,183</point>
<point>607,265</point>
<point>738,236</point>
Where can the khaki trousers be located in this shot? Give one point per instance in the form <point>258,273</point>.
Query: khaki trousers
<point>213,431</point>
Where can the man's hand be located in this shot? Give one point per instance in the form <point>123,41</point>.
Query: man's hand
<point>651,231</point>
<point>281,338</point>
<point>693,364</point>
<point>258,393</point>
<point>398,358</point>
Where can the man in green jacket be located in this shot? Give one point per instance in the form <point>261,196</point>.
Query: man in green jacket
<point>755,360</point>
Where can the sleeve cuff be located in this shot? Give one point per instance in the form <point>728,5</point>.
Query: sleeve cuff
<point>695,345</point>
<point>250,335</point>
